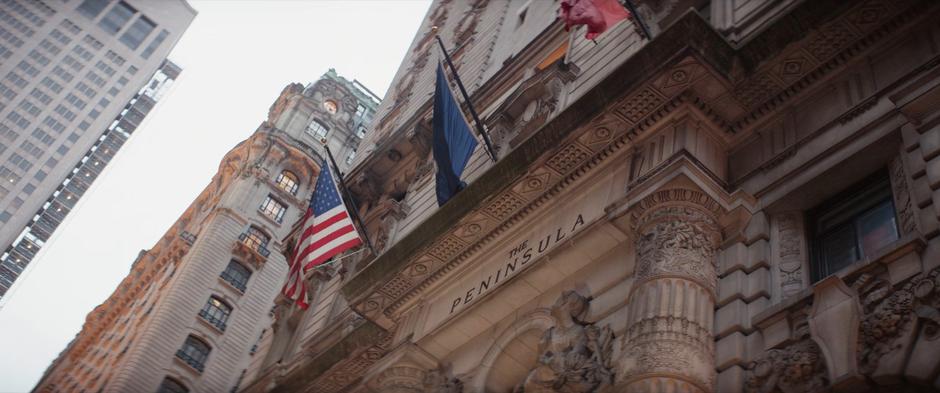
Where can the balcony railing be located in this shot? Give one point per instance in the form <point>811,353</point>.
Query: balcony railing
<point>187,237</point>
<point>253,244</point>
<point>191,361</point>
<point>235,282</point>
<point>215,321</point>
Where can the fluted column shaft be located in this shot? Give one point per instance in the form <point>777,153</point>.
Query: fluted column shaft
<point>668,346</point>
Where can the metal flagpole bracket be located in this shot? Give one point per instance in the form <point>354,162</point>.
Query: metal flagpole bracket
<point>638,20</point>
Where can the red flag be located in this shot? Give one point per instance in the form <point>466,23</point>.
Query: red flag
<point>598,15</point>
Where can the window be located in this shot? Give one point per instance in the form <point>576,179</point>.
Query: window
<point>152,47</point>
<point>273,209</point>
<point>116,17</point>
<point>194,352</point>
<point>853,225</point>
<point>317,129</point>
<point>360,110</point>
<point>237,275</point>
<point>361,132</point>
<point>91,8</point>
<point>216,312</point>
<point>351,156</point>
<point>256,240</point>
<point>138,31</point>
<point>287,181</point>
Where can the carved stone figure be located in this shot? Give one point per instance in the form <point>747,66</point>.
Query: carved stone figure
<point>796,368</point>
<point>887,315</point>
<point>574,356</point>
<point>442,380</point>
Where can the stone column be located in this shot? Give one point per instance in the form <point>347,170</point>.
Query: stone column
<point>669,346</point>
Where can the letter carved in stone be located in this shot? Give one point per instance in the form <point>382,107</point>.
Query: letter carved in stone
<point>574,356</point>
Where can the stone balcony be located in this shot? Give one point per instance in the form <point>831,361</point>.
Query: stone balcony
<point>250,250</point>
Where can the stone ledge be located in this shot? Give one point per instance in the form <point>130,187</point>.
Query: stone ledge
<point>899,251</point>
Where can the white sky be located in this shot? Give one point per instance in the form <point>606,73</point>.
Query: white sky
<point>236,57</point>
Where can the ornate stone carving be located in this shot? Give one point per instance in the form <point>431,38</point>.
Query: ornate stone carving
<point>281,103</point>
<point>401,379</point>
<point>790,252</point>
<point>442,380</point>
<point>795,368</point>
<point>679,241</point>
<point>902,198</point>
<point>887,314</point>
<point>575,355</point>
<point>677,236</point>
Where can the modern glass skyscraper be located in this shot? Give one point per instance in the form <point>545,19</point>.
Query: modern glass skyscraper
<point>75,81</point>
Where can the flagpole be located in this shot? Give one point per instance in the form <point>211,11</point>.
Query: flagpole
<point>466,97</point>
<point>355,209</point>
<point>636,18</point>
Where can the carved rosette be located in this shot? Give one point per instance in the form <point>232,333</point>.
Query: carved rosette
<point>668,343</point>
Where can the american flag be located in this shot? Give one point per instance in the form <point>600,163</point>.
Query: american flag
<point>327,231</point>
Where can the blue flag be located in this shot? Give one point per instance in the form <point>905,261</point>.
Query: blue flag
<point>453,143</point>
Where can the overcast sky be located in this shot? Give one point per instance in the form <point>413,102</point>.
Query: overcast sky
<point>236,57</point>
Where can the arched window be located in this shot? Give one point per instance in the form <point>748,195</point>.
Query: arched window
<point>256,237</point>
<point>273,208</point>
<point>237,275</point>
<point>194,352</point>
<point>216,312</point>
<point>287,181</point>
<point>170,385</point>
<point>317,129</point>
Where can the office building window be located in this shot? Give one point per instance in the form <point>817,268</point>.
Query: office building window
<point>852,226</point>
<point>350,156</point>
<point>287,181</point>
<point>170,385</point>
<point>237,275</point>
<point>194,352</point>
<point>317,129</point>
<point>361,132</point>
<point>138,31</point>
<point>273,209</point>
<point>152,47</point>
<point>216,312</point>
<point>91,8</point>
<point>117,17</point>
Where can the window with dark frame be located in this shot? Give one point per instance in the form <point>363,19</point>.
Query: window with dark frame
<point>317,129</point>
<point>194,352</point>
<point>287,181</point>
<point>273,209</point>
<point>216,312</point>
<point>170,385</point>
<point>852,226</point>
<point>138,32</point>
<point>91,8</point>
<point>237,275</point>
<point>256,239</point>
<point>117,17</point>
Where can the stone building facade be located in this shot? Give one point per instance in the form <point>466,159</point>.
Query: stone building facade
<point>747,201</point>
<point>190,312</point>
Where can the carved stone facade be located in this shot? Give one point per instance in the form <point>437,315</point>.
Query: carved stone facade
<point>668,343</point>
<point>574,356</point>
<point>650,223</point>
